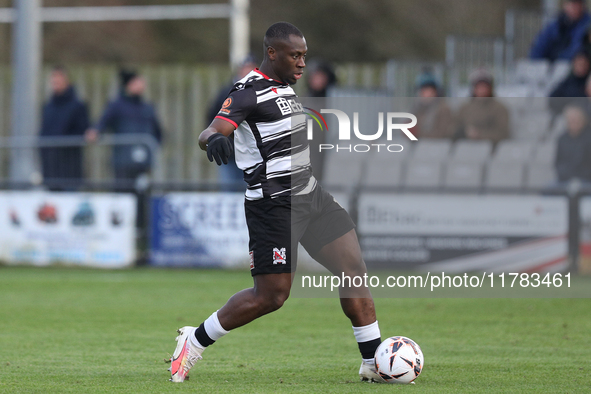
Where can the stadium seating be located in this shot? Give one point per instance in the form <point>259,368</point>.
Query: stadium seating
<point>421,174</point>
<point>383,174</point>
<point>532,72</point>
<point>504,176</point>
<point>434,150</point>
<point>513,151</point>
<point>539,176</point>
<point>540,169</point>
<point>468,151</point>
<point>464,166</point>
<point>463,176</point>
<point>545,153</point>
<point>560,70</point>
<point>343,170</point>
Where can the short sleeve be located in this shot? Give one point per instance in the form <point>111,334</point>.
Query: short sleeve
<point>238,105</point>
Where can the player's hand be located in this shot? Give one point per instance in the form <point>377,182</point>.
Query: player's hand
<point>219,148</point>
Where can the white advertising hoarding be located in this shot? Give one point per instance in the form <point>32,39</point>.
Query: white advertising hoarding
<point>463,233</point>
<point>87,229</point>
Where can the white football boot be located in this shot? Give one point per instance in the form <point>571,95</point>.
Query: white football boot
<point>367,373</point>
<point>185,355</point>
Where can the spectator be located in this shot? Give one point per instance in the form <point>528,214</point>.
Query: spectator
<point>573,85</point>
<point>63,115</point>
<point>563,38</point>
<point>573,154</point>
<point>586,44</point>
<point>230,175</point>
<point>320,79</point>
<point>483,117</point>
<point>129,114</point>
<point>434,117</point>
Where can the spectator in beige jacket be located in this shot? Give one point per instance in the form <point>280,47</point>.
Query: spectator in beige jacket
<point>483,117</point>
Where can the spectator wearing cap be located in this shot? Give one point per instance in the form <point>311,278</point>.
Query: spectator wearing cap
<point>563,38</point>
<point>129,114</point>
<point>483,117</point>
<point>434,117</point>
<point>230,175</point>
<point>573,85</point>
<point>63,115</point>
<point>573,153</point>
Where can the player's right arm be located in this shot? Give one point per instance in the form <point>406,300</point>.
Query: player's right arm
<point>215,141</point>
<point>217,126</point>
<point>239,104</point>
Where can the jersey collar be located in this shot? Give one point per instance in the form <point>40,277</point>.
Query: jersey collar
<point>256,70</point>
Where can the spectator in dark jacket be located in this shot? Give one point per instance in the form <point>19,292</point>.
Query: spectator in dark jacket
<point>321,78</point>
<point>573,154</point>
<point>63,115</point>
<point>562,39</point>
<point>130,114</point>
<point>573,85</point>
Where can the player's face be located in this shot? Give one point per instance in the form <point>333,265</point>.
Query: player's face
<point>290,59</point>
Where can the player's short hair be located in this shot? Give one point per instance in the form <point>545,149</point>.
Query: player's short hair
<point>282,31</point>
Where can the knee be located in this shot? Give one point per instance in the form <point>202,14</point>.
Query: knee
<point>273,302</point>
<point>354,267</point>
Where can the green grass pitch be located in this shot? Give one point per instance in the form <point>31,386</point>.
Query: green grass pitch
<point>86,331</point>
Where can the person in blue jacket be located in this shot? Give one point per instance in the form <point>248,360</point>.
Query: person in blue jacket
<point>563,38</point>
<point>63,115</point>
<point>130,114</point>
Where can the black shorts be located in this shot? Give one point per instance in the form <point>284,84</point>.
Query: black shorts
<point>276,226</point>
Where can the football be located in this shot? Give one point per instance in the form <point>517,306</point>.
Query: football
<point>399,360</point>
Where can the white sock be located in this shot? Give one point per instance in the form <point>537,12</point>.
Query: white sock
<point>370,361</point>
<point>213,328</point>
<point>367,333</point>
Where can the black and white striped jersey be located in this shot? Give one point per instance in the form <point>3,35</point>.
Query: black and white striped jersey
<point>270,139</point>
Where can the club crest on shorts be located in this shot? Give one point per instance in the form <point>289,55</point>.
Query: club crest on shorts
<point>251,254</point>
<point>279,256</point>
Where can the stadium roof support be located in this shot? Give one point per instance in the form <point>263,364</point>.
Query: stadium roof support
<point>28,16</point>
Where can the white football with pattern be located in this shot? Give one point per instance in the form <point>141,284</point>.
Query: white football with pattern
<point>399,360</point>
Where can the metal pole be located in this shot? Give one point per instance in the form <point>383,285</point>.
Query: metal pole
<point>26,69</point>
<point>239,31</point>
<point>510,39</point>
<point>550,9</point>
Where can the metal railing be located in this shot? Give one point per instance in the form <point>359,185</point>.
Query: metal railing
<point>95,159</point>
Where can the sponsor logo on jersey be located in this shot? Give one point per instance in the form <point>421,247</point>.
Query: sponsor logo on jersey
<point>289,106</point>
<point>279,256</point>
<point>226,105</point>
